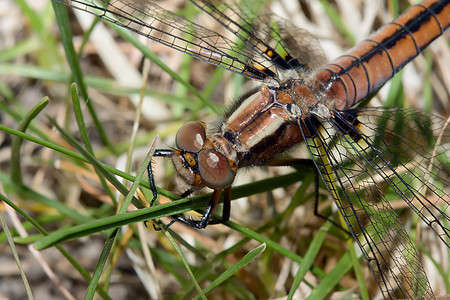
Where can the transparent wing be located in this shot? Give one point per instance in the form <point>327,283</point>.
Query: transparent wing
<point>252,52</point>
<point>268,37</point>
<point>370,154</point>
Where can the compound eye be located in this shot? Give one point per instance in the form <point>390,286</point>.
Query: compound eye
<point>215,169</point>
<point>191,136</point>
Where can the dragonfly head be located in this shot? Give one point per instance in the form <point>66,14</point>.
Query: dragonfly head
<point>197,160</point>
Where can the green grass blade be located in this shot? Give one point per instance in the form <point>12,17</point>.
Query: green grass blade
<point>335,17</point>
<point>273,245</point>
<point>332,278</point>
<point>85,138</point>
<point>62,19</point>
<point>140,174</point>
<point>70,258</point>
<point>29,193</point>
<point>154,212</point>
<point>95,163</point>
<point>357,269</point>
<point>127,218</point>
<point>154,58</point>
<point>93,284</point>
<point>310,256</point>
<point>185,264</point>
<point>249,257</point>
<point>16,173</point>
<point>15,254</point>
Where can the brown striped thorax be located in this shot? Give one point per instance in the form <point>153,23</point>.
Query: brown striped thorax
<point>260,126</point>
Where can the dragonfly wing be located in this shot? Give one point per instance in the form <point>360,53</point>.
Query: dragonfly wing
<point>269,37</point>
<point>411,151</point>
<point>256,46</point>
<point>366,155</point>
<point>152,21</point>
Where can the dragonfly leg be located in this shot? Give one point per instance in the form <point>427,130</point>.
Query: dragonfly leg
<point>206,218</point>
<point>291,162</point>
<point>316,205</point>
<point>151,178</point>
<point>207,215</point>
<point>187,193</point>
<point>226,208</point>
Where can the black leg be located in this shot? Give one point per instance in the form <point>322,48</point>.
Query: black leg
<point>316,203</point>
<point>187,193</point>
<point>210,209</point>
<point>226,208</point>
<point>205,220</point>
<point>151,179</point>
<point>226,205</point>
<point>207,216</point>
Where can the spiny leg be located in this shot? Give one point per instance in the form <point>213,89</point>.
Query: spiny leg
<point>151,179</point>
<point>226,208</point>
<point>206,218</point>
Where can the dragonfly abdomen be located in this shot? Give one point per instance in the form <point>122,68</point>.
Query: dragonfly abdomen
<point>365,68</point>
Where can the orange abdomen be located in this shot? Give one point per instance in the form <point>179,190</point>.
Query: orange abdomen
<point>362,70</point>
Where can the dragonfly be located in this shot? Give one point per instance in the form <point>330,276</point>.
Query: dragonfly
<point>358,152</point>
